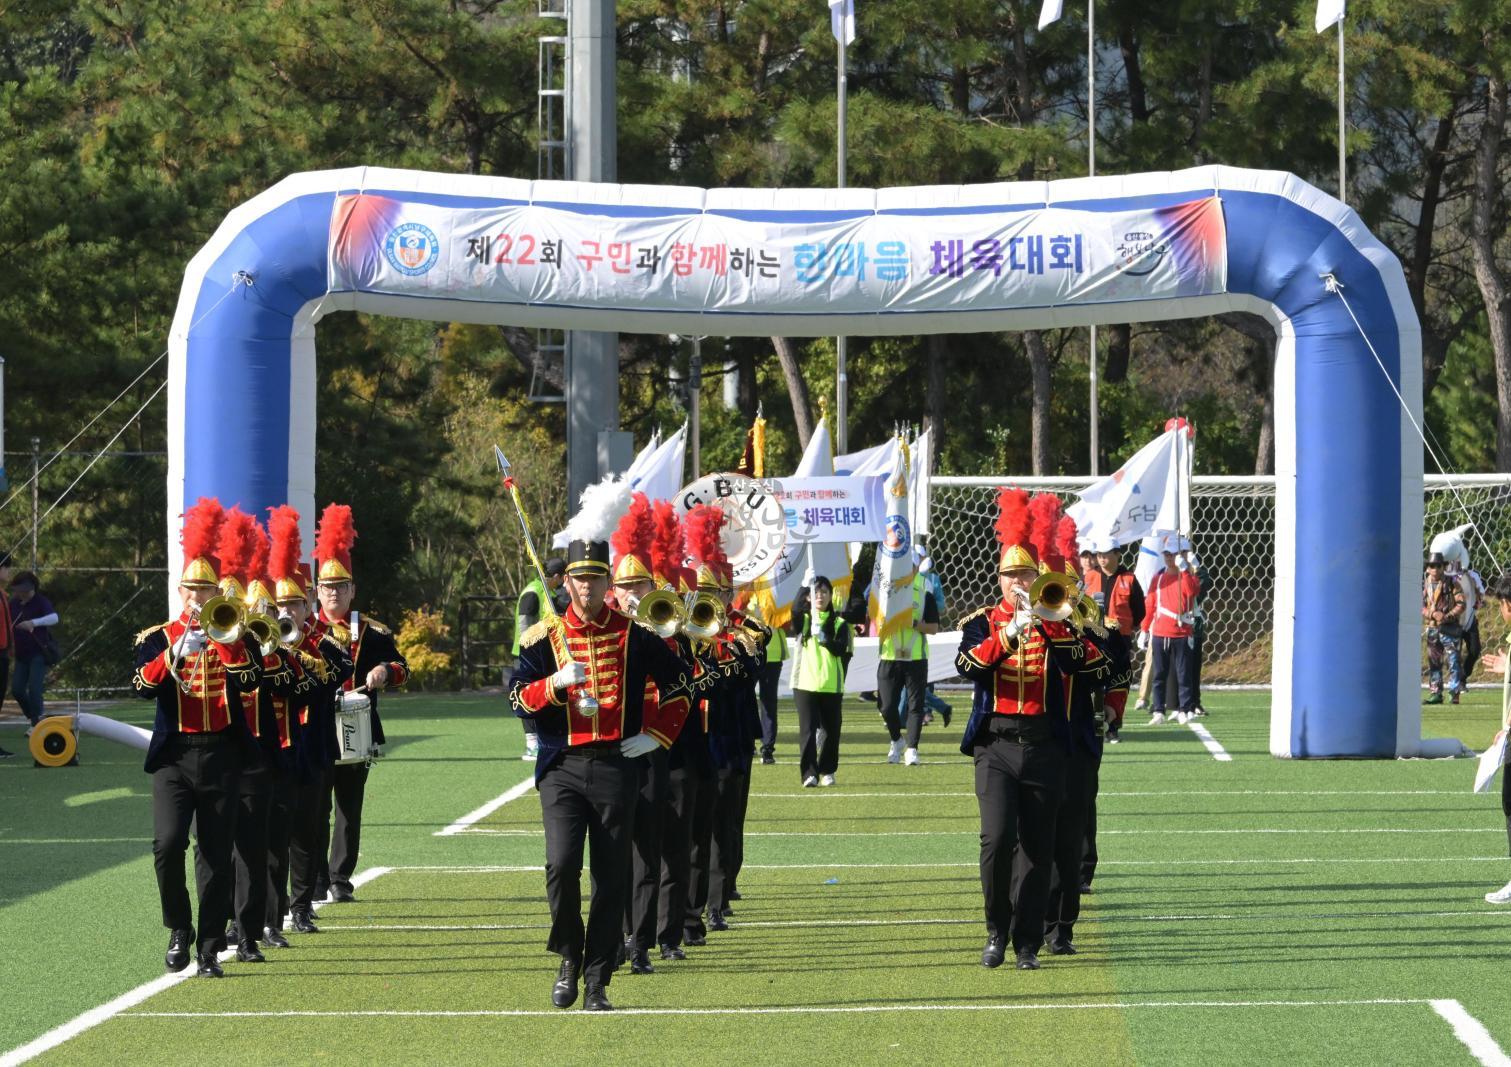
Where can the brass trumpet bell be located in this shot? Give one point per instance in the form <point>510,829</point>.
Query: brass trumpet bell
<point>264,630</point>
<point>705,617</point>
<point>223,619</point>
<point>288,630</point>
<point>662,611</point>
<point>1052,596</point>
<point>1086,615</point>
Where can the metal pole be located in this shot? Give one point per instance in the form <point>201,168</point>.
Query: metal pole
<point>1091,169</point>
<point>36,471</point>
<point>841,378</point>
<point>1342,127</point>
<point>695,387</point>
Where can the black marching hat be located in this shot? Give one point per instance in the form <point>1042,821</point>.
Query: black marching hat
<point>588,557</point>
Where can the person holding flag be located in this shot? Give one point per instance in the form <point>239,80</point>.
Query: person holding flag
<point>1168,620</point>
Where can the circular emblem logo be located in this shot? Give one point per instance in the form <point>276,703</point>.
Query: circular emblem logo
<point>757,528</point>
<point>896,542</point>
<point>412,248</point>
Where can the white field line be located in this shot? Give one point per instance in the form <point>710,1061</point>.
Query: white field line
<point>1472,1033</point>
<point>1100,833</point>
<point>1219,753</point>
<point>840,794</point>
<point>75,840</point>
<point>483,868</point>
<point>479,814</point>
<point>109,1010</point>
<point>859,1009</point>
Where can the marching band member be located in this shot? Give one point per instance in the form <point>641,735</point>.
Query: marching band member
<point>1018,736</point>
<point>581,679</point>
<point>749,638</point>
<point>377,665</point>
<point>197,747</point>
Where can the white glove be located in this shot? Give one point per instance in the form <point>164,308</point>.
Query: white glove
<point>194,641</point>
<point>1021,621</point>
<point>1143,640</point>
<point>570,675</point>
<point>1191,556</point>
<point>809,578</point>
<point>638,745</point>
<point>1181,563</point>
<point>630,603</point>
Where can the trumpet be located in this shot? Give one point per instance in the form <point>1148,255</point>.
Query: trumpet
<point>223,619</point>
<point>1085,615</point>
<point>265,630</point>
<point>662,611</point>
<point>1052,596</point>
<point>288,630</point>
<point>705,616</point>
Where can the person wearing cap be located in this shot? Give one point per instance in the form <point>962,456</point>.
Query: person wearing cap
<point>377,666</point>
<point>1167,625</point>
<point>199,743</point>
<point>1117,592</point>
<point>543,594</point>
<point>581,678</point>
<point>1443,612</point>
<point>1018,734</point>
<point>904,666</point>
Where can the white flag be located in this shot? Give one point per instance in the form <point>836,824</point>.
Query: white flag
<point>891,600</point>
<point>842,20</point>
<point>918,482</point>
<point>1140,497</point>
<point>775,593</point>
<point>1329,12</point>
<point>661,476</point>
<point>1052,10</point>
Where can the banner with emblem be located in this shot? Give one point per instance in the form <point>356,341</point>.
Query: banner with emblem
<point>891,600</point>
<point>671,259</point>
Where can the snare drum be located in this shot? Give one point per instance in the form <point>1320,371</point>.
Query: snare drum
<point>354,729</point>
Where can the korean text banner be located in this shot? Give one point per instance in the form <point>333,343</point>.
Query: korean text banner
<point>772,262</point>
<point>827,510</point>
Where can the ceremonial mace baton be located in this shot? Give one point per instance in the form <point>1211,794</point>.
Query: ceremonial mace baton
<point>504,472</point>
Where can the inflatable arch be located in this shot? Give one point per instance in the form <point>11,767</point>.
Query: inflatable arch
<point>870,262</point>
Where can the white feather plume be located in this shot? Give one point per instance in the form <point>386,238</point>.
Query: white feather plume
<point>600,509</point>
<point>1451,545</point>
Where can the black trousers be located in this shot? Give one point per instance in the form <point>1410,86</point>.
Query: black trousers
<point>1064,904</point>
<point>686,792</point>
<point>1506,804</point>
<point>588,801</point>
<point>280,833</point>
<point>1018,790</point>
<point>254,804</point>
<point>641,905</point>
<point>815,710</point>
<point>348,787</point>
<point>892,676</point>
<point>1198,637</point>
<point>1173,654</point>
<point>196,783</point>
<point>732,789</point>
<point>770,678</point>
<point>309,836</point>
<point>700,847</point>
<point>1089,852</point>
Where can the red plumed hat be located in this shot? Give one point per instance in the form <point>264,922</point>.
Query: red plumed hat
<point>283,558</point>
<point>632,540</point>
<point>705,524</point>
<point>1065,544</point>
<point>1012,531</point>
<point>201,531</point>
<point>1043,519</point>
<point>333,544</point>
<point>234,548</point>
<point>259,582</point>
<point>667,548</point>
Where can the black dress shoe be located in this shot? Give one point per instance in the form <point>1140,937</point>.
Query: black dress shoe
<point>596,1000</point>
<point>303,922</point>
<point>233,934</point>
<point>768,760</point>
<point>734,894</point>
<point>672,952</point>
<point>622,952</point>
<point>1062,948</point>
<point>640,962</point>
<point>1028,960</point>
<point>341,894</point>
<point>1085,888</point>
<point>564,992</point>
<point>248,952</point>
<point>946,713</point>
<point>178,949</point>
<point>209,966</point>
<point>994,952</point>
<point>695,940</point>
<point>273,937</point>
<point>716,920</point>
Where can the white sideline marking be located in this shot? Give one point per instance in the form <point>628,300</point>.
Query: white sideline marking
<point>840,794</point>
<point>858,1009</point>
<point>1103,833</point>
<point>111,1009</point>
<point>75,840</point>
<point>479,814</point>
<point>1472,1033</point>
<point>1292,860</point>
<point>1218,752</point>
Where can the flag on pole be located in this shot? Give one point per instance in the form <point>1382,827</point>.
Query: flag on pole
<point>773,595</point>
<point>1140,497</point>
<point>661,476</point>
<point>1329,13</point>
<point>891,600</point>
<point>842,20</point>
<point>1053,9</point>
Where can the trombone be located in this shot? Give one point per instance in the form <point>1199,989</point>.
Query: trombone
<point>1086,615</point>
<point>1052,596</point>
<point>222,619</point>
<point>662,611</point>
<point>705,616</point>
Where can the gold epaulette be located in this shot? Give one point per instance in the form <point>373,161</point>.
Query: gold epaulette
<point>148,632</point>
<point>378,627</point>
<point>972,615</point>
<point>538,631</point>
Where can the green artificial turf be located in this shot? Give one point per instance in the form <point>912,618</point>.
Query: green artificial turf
<point>1253,911</point>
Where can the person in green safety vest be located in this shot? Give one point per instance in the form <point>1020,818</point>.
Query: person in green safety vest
<point>529,609</point>
<point>824,645</point>
<point>770,676</point>
<point>904,665</point>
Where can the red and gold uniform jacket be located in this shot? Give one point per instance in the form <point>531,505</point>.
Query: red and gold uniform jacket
<point>619,656</point>
<point>371,645</point>
<point>1023,675</point>
<point>327,668</point>
<point>213,681</point>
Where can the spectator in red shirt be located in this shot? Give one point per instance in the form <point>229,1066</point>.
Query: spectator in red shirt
<point>1168,617</point>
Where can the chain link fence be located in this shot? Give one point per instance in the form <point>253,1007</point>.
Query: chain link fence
<point>1233,519</point>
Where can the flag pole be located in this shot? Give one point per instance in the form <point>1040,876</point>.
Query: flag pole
<point>1091,170</point>
<point>1342,126</point>
<point>841,378</point>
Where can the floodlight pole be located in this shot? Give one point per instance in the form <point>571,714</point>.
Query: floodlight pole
<point>1091,170</point>
<point>841,378</point>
